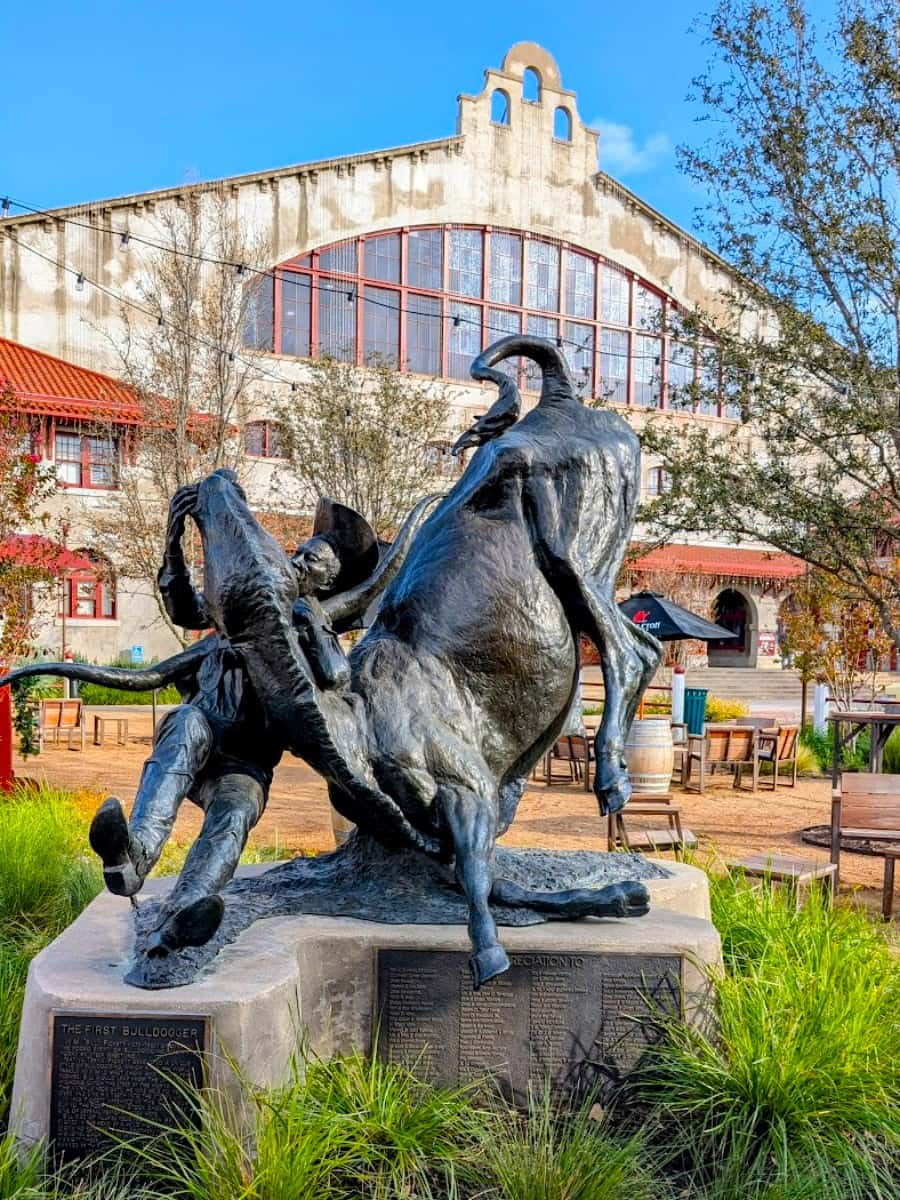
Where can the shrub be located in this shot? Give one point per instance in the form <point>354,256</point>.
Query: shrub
<point>718,709</point>
<point>546,1154</point>
<point>799,1088</point>
<point>351,1127</point>
<point>95,693</point>
<point>853,758</point>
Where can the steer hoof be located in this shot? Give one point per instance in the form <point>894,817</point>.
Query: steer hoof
<point>190,926</point>
<point>488,963</point>
<point>630,899</point>
<point>612,786</point>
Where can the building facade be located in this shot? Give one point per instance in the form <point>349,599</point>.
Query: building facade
<point>420,256</point>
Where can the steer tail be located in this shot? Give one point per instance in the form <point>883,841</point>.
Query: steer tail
<point>127,678</point>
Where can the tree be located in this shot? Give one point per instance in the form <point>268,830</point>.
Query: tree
<point>186,365</point>
<point>369,438</point>
<point>25,484</point>
<point>804,171</point>
<point>829,638</point>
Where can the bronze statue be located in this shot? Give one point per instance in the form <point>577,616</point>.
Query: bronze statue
<point>468,672</point>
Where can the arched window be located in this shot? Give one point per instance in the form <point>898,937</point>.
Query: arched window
<point>428,299</point>
<point>531,86</point>
<point>659,481</point>
<point>89,595</point>
<point>562,125</point>
<point>264,439</point>
<point>499,107</point>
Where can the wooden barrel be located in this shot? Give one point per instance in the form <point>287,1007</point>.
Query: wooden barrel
<point>650,755</point>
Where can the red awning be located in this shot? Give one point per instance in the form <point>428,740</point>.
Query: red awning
<point>722,561</point>
<point>35,550</point>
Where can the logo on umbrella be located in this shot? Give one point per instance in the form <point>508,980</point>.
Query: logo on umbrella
<point>641,615</point>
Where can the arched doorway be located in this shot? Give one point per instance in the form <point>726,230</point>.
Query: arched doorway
<point>735,611</point>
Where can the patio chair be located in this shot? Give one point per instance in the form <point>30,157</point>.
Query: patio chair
<point>731,746</point>
<point>867,806</point>
<point>61,716</point>
<point>576,752</point>
<point>780,749</point>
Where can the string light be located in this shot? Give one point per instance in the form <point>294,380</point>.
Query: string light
<point>126,238</point>
<point>5,206</point>
<point>81,279</point>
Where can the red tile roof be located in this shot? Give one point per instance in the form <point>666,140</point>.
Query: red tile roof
<point>52,387</point>
<point>723,561</point>
<point>35,550</point>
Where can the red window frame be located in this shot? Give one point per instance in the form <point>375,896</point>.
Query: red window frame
<point>85,461</point>
<point>89,595</point>
<point>349,285</point>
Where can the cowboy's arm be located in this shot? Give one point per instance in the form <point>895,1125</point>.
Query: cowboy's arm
<point>184,604</point>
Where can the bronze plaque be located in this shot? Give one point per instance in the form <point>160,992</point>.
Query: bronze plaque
<point>580,1021</point>
<point>113,1073</point>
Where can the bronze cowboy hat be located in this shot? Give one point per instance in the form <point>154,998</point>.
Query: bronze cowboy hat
<point>353,540</point>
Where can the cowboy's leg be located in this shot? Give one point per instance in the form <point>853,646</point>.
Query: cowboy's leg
<point>181,750</point>
<point>192,911</point>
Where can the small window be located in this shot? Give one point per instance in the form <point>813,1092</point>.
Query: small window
<point>440,459</point>
<point>531,86</point>
<point>264,439</point>
<point>562,125</point>
<point>86,461</point>
<point>659,481</point>
<point>500,107</point>
<point>89,595</point>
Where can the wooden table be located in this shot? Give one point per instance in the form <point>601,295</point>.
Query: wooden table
<point>100,723</point>
<point>784,868</point>
<point>880,723</point>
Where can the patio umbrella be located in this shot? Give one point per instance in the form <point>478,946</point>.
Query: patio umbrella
<point>669,622</point>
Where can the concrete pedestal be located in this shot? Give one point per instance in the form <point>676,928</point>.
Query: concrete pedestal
<point>305,974</point>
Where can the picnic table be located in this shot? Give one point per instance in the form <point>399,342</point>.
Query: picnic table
<point>881,724</point>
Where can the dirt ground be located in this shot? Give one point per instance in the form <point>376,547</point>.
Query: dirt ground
<point>729,824</point>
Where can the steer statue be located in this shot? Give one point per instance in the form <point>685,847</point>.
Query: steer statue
<point>470,669</point>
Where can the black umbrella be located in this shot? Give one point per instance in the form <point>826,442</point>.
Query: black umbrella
<point>670,622</point>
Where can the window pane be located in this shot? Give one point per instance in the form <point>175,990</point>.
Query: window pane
<point>614,289</point>
<point>259,311</point>
<point>425,258</point>
<point>382,258</point>
<point>708,400</point>
<point>647,309</point>
<point>381,326</point>
<point>506,268</point>
<point>68,458</point>
<point>296,306</point>
<point>614,366</point>
<point>647,352</point>
<point>337,319</point>
<point>69,472</point>
<point>339,258</point>
<point>108,599</point>
<point>580,355</point>
<point>423,335</point>
<point>275,440</point>
<point>681,374</point>
<point>543,275</point>
<point>465,339</point>
<point>466,260</point>
<point>503,322</point>
<point>736,402</point>
<point>102,457</point>
<point>545,327</point>
<point>86,598</point>
<point>255,439</point>
<point>580,277</point>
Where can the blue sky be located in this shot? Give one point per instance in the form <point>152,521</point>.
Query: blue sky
<point>103,98</point>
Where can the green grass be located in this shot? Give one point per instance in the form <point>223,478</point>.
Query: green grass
<point>547,1154</point>
<point>799,1086</point>
<point>96,693</point>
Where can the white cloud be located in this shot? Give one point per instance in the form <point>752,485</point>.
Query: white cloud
<point>622,154</point>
